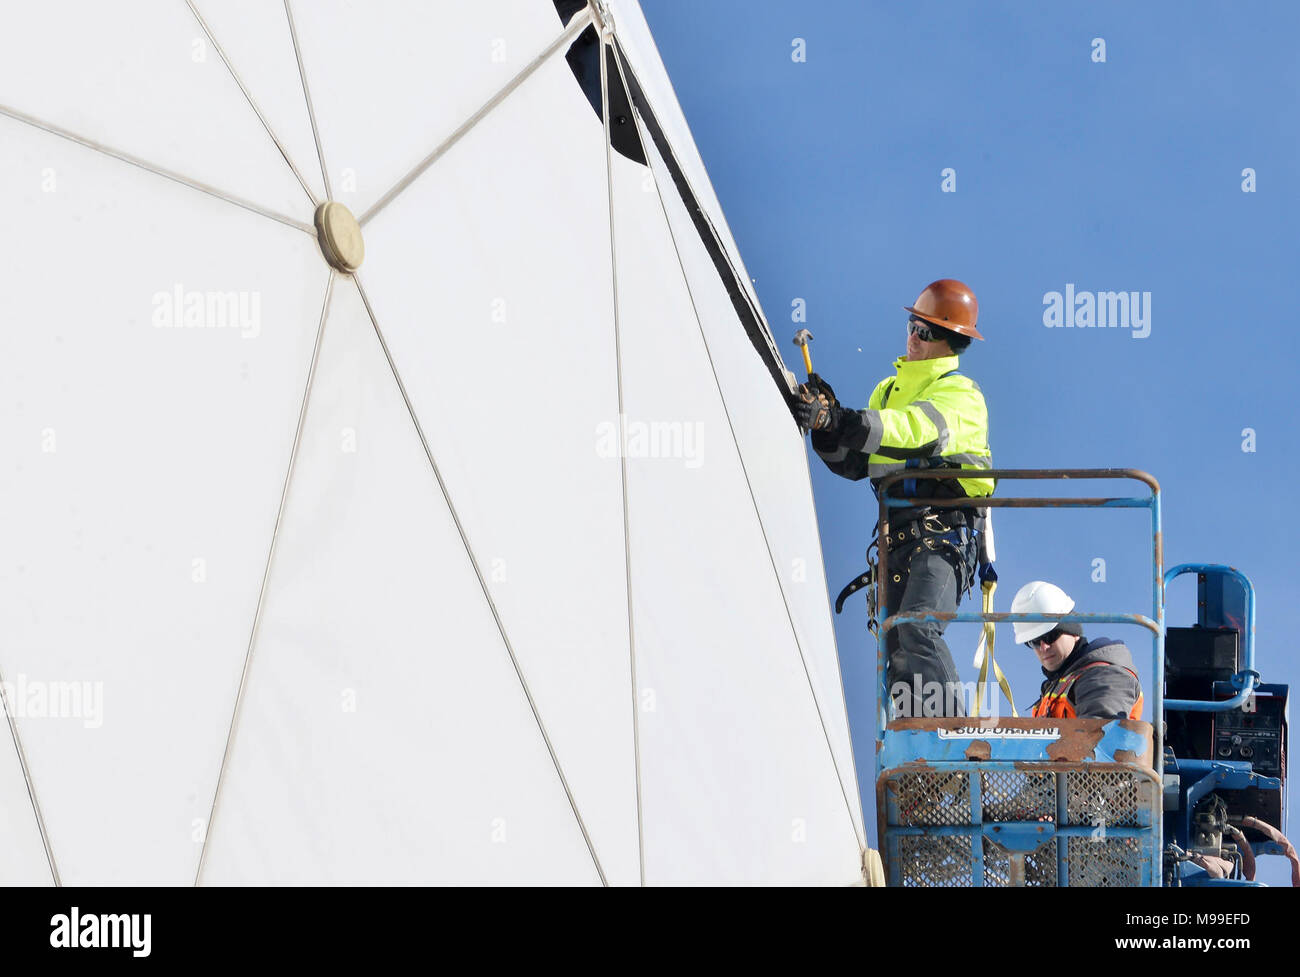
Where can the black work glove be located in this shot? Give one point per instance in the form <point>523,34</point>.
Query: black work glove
<point>814,410</point>
<point>817,385</point>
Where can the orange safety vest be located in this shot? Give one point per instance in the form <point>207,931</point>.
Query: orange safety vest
<point>1056,704</point>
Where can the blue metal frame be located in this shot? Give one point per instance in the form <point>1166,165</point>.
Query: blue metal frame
<point>1247,680</point>
<point>1155,623</point>
<point>905,745</point>
<point>1197,778</point>
<point>946,752</point>
<point>1228,774</point>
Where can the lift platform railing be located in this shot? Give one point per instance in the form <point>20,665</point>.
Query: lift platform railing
<point>1155,623</point>
<point>1245,681</point>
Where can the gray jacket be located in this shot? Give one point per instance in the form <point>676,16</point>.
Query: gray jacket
<point>1107,691</point>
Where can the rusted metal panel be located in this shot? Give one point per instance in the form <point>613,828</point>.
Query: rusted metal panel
<point>1008,722</point>
<point>1076,744</point>
<point>979,750</point>
<point>948,740</point>
<point>1147,731</point>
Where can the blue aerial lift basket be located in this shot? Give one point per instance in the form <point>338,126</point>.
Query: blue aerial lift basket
<point>1085,802</point>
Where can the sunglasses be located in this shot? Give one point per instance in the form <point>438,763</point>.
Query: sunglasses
<point>924,331</point>
<point>1045,639</point>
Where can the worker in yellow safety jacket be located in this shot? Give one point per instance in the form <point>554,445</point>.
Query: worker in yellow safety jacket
<point>927,415</point>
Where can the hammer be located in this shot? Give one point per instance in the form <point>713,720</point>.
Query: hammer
<point>801,339</point>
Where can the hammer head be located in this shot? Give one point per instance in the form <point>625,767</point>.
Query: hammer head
<point>803,337</point>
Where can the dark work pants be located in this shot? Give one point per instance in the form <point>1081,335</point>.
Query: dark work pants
<point>918,656</point>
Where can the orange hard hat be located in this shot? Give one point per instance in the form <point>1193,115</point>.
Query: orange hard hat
<point>950,304</point>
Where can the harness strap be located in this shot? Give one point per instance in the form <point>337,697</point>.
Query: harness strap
<point>986,659</point>
<point>1063,686</point>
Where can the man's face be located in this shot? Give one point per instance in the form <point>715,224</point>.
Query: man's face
<point>921,349</point>
<point>1053,649</point>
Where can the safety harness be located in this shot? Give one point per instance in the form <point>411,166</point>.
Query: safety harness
<point>984,650</point>
<point>929,532</point>
<point>1056,704</point>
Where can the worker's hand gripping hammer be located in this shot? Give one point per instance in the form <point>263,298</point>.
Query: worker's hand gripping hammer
<point>812,408</point>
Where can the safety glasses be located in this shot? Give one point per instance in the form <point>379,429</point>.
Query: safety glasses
<point>1045,639</point>
<point>924,331</point>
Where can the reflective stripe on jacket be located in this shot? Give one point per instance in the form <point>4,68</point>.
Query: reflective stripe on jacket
<point>1057,705</point>
<point>927,415</point>
<point>1081,688</point>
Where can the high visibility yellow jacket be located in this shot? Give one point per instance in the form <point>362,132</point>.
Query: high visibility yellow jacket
<point>925,416</point>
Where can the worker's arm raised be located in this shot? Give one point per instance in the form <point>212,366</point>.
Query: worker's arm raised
<point>921,429</point>
<point>836,446</point>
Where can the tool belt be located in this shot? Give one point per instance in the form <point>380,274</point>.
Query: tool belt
<point>916,523</point>
<point>926,528</point>
<point>930,530</point>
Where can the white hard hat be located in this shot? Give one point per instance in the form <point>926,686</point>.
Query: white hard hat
<point>1038,597</point>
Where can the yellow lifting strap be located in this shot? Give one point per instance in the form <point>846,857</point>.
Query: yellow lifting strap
<point>986,643</point>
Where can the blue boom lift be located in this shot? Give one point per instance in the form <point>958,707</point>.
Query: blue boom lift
<point>1093,802</point>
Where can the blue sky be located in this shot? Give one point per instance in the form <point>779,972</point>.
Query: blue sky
<point>1125,175</point>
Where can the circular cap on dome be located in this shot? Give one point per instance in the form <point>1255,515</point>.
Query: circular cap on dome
<point>340,236</point>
